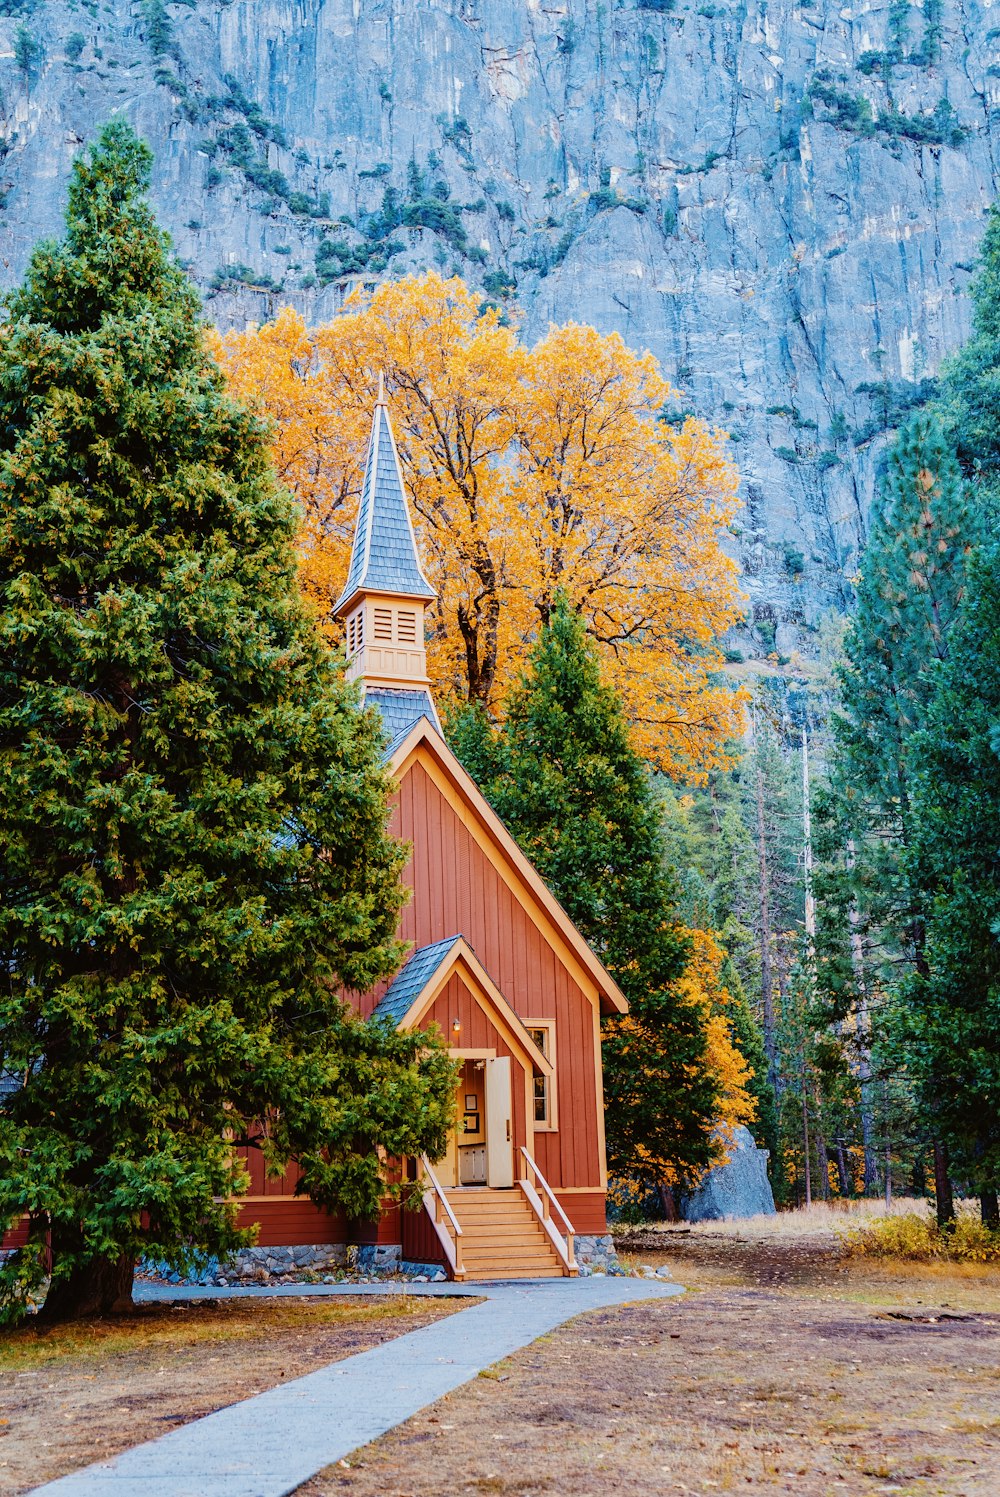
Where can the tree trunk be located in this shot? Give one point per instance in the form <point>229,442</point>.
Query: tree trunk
<point>822,1153</point>
<point>843,1177</point>
<point>945,1201</point>
<point>918,1176</point>
<point>805,1141</point>
<point>766,975</point>
<point>807,855</point>
<point>822,1160</point>
<point>668,1203</point>
<point>101,1287</point>
<point>989,1207</point>
<point>870,1184</point>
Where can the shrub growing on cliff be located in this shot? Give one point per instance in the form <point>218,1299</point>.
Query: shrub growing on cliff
<point>192,809</point>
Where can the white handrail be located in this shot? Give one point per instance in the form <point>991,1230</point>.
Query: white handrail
<point>453,1249</point>
<point>541,1205</point>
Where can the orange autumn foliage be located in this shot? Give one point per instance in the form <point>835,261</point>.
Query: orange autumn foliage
<point>531,470</point>
<point>702,986</point>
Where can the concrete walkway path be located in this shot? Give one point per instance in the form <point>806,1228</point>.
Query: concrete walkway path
<point>268,1445</point>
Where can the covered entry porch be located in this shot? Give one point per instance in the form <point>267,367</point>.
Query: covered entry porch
<point>491,1211</point>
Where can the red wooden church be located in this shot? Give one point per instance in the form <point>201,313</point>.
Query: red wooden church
<point>496,963</point>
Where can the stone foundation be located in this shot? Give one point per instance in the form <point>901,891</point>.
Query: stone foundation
<point>258,1263</point>
<point>596,1255</point>
<point>432,1272</point>
<point>279,1260</point>
<point>375,1257</point>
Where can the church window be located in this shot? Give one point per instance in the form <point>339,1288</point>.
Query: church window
<point>355,632</point>
<point>543,1032</point>
<point>383,623</point>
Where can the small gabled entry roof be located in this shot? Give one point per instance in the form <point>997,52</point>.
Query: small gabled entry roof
<point>424,975</point>
<point>412,978</point>
<point>384,556</point>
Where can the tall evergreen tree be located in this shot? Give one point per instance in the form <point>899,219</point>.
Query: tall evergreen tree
<point>909,592</point>
<point>971,386</point>
<point>949,1010</point>
<point>909,596</point>
<point>563,776</point>
<point>192,809</point>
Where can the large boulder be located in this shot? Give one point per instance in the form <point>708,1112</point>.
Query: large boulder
<point>739,1187</point>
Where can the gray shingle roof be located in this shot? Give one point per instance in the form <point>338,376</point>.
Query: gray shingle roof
<point>412,978</point>
<point>384,558</point>
<point>401,710</point>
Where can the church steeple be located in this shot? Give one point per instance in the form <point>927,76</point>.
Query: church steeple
<point>386,593</point>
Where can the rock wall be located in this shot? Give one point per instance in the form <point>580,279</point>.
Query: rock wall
<point>782,200</point>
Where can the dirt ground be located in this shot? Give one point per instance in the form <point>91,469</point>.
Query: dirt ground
<point>786,1368</point>
<point>72,1395</point>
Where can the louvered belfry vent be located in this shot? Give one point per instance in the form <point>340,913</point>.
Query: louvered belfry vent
<point>356,632</point>
<point>406,626</point>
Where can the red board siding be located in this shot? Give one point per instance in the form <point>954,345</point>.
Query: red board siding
<point>586,1210</point>
<point>260,1185</point>
<point>420,1241</point>
<point>16,1237</point>
<point>458,890</point>
<point>295,1223</point>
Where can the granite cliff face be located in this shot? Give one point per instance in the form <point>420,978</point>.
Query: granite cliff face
<point>782,200</point>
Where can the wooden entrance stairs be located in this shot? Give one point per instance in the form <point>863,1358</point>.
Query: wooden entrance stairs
<point>502,1237</point>
<point>493,1232</point>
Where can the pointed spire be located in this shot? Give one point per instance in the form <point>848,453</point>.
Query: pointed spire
<point>384,556</point>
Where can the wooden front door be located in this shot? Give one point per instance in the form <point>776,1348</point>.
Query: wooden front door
<point>499,1123</point>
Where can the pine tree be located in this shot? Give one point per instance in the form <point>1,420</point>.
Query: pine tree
<point>909,597</point>
<point>909,593</point>
<point>562,774</point>
<point>949,1010</point>
<point>192,809</point>
<point>971,386</point>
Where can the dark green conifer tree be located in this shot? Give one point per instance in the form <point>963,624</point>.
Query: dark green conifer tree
<point>949,1010</point>
<point>563,776</point>
<point>909,592</point>
<point>971,387</point>
<point>193,848</point>
<point>909,596</point>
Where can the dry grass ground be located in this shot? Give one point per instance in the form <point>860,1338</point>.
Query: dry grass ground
<point>76,1394</point>
<point>786,1369</point>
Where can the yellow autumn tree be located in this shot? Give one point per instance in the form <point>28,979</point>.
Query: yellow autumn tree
<point>531,470</point>
<point>702,986</point>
